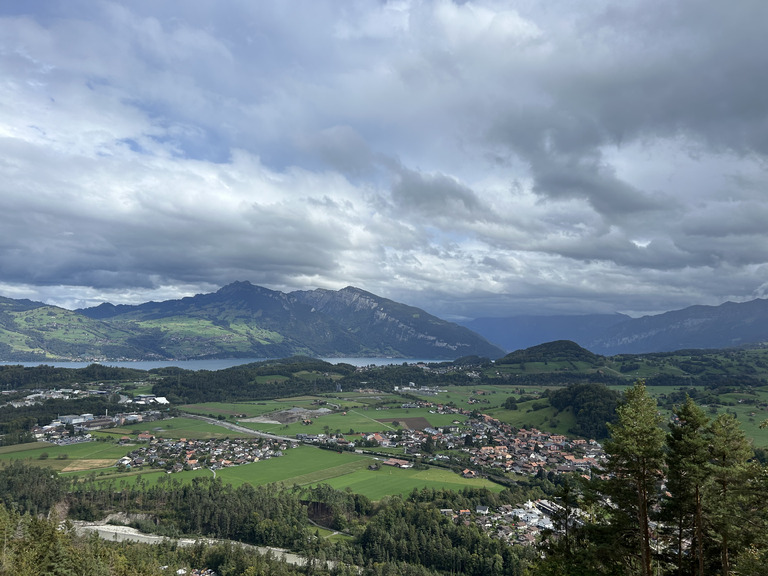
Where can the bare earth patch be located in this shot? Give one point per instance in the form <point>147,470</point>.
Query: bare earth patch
<point>84,464</point>
<point>412,423</point>
<point>259,420</point>
<point>288,416</point>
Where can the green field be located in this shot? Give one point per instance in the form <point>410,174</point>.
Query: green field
<point>87,455</point>
<point>172,428</point>
<point>384,409</point>
<point>355,421</point>
<point>387,480</point>
<point>364,413</point>
<point>308,465</point>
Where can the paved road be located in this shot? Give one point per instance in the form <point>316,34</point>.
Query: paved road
<point>238,428</point>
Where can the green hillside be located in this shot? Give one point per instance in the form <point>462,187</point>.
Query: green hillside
<point>238,321</point>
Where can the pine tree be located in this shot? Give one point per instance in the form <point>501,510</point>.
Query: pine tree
<point>729,451</point>
<point>687,457</point>
<point>636,458</point>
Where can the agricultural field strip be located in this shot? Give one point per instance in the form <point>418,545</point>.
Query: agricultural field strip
<point>373,420</point>
<point>328,473</point>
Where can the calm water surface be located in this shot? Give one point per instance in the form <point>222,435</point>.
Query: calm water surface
<point>218,364</point>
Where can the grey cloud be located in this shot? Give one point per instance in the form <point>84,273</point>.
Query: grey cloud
<point>341,148</point>
<point>155,149</point>
<point>593,182</point>
<point>435,195</point>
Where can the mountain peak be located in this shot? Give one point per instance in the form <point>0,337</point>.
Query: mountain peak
<point>236,286</point>
<point>245,320</point>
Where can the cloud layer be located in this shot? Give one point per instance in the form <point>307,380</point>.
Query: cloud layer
<point>475,159</point>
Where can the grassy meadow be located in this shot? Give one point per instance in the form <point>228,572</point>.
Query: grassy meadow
<point>72,457</point>
<point>307,466</point>
<point>189,428</point>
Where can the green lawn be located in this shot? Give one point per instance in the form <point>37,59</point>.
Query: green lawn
<point>227,409</point>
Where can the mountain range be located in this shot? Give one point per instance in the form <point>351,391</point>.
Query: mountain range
<point>696,327</point>
<point>242,320</point>
<point>238,321</point>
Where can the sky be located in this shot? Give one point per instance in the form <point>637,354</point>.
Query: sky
<point>475,159</point>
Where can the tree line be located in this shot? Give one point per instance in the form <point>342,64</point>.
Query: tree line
<point>687,501</point>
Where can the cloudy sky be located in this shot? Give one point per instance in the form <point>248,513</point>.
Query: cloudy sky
<point>480,158</point>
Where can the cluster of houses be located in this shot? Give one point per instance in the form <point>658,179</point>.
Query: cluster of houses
<point>70,426</point>
<point>520,525</point>
<point>41,395</point>
<point>515,525</point>
<point>534,452</point>
<point>183,454</point>
<point>491,445</point>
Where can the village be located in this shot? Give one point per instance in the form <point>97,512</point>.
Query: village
<point>474,444</point>
<point>487,447</point>
<point>183,454</point>
<point>485,444</point>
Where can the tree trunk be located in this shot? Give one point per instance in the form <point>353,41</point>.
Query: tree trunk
<point>699,521</point>
<point>645,536</point>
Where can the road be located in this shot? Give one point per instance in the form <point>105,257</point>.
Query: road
<point>239,429</point>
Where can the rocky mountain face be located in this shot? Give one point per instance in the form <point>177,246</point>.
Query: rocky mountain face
<point>239,320</point>
<point>379,323</point>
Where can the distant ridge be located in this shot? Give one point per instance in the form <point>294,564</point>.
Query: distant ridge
<point>726,326</point>
<point>242,320</point>
<point>239,320</point>
<point>696,327</point>
<point>519,332</point>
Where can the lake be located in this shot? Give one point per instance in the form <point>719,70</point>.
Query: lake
<point>214,364</point>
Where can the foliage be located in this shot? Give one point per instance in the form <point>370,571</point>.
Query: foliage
<point>593,405</point>
<point>557,351</point>
<point>713,516</point>
<point>256,381</point>
<point>687,458</point>
<point>36,546</point>
<point>28,488</point>
<point>16,376</point>
<point>635,453</point>
<point>402,530</point>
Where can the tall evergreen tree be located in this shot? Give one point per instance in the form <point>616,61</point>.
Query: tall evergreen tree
<point>727,511</point>
<point>636,458</point>
<point>687,457</point>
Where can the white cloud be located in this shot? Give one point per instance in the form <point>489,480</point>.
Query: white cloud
<point>468,157</point>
